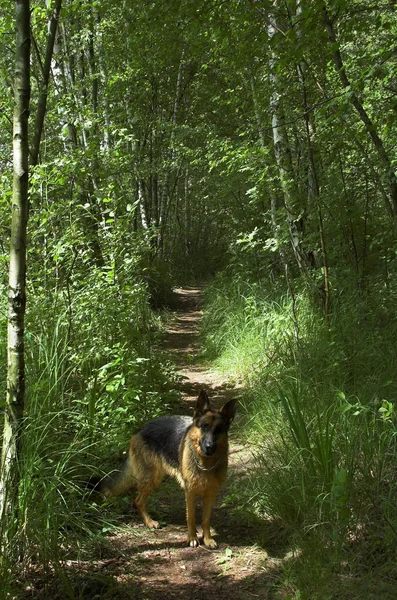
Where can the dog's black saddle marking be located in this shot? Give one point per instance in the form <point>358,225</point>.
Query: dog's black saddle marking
<point>164,436</point>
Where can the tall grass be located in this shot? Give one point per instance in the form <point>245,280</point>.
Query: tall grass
<point>320,411</point>
<point>90,381</point>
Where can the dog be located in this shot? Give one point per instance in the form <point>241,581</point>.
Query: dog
<point>192,450</point>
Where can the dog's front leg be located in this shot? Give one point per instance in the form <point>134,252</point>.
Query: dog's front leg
<point>208,503</point>
<point>191,519</point>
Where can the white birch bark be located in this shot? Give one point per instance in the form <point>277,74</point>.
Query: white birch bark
<point>283,153</point>
<point>14,409</point>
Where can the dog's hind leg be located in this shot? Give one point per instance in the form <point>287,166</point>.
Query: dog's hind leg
<point>145,488</point>
<point>148,473</point>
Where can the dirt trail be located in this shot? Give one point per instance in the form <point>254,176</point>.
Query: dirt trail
<point>157,564</point>
<point>182,342</point>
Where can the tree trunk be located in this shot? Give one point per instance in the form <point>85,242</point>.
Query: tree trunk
<point>46,70</point>
<point>143,209</point>
<point>102,77</point>
<point>282,153</point>
<point>165,196</point>
<point>274,204</point>
<point>14,409</point>
<point>313,178</point>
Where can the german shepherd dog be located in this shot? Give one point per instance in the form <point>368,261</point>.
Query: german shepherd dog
<point>192,450</point>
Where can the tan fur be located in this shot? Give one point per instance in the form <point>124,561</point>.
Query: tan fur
<point>204,484</point>
<point>199,475</point>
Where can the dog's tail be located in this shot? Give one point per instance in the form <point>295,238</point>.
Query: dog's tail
<point>114,484</point>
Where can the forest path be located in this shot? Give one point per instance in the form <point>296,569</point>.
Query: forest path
<point>158,564</point>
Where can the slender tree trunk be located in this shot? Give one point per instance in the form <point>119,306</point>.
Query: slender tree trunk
<point>42,104</point>
<point>165,196</point>
<point>67,78</point>
<point>186,232</point>
<point>144,213</point>
<point>313,177</point>
<point>93,68</point>
<point>257,112</point>
<point>390,175</point>
<point>274,203</point>
<point>102,78</point>
<point>282,153</point>
<point>14,409</point>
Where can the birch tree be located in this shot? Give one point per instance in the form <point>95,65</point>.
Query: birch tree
<point>294,209</point>
<point>14,409</point>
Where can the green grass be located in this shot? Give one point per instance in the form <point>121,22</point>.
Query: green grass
<point>90,382</point>
<point>319,408</point>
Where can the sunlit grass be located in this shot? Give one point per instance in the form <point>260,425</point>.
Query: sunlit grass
<point>319,411</point>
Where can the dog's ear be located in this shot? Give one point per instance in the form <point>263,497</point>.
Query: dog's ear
<point>228,411</point>
<point>202,404</point>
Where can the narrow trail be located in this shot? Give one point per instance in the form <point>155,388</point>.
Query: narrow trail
<point>158,564</point>
<point>143,564</point>
<point>182,343</point>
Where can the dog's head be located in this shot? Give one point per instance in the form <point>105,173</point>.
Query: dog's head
<point>211,425</point>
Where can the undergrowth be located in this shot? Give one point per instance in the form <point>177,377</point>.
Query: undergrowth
<point>95,373</point>
<point>319,411</point>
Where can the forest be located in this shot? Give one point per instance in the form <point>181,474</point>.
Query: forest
<point>243,152</point>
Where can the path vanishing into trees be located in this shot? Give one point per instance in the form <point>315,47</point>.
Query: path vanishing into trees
<point>141,563</point>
